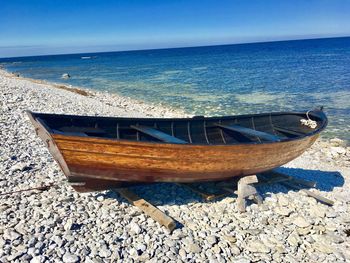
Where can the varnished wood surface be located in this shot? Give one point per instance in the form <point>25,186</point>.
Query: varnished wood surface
<point>117,161</point>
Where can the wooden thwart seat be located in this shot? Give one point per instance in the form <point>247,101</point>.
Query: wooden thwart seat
<point>251,132</point>
<point>158,134</point>
<point>70,133</point>
<point>287,131</point>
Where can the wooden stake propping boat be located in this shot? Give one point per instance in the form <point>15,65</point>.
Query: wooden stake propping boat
<point>99,153</point>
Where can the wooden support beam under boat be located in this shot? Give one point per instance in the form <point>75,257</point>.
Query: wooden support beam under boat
<point>147,208</point>
<point>294,183</point>
<point>251,132</point>
<point>158,134</point>
<point>205,195</point>
<point>273,174</point>
<point>318,197</point>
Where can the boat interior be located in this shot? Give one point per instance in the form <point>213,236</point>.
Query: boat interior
<point>258,128</point>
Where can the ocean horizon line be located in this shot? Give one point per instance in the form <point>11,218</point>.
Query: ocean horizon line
<point>3,59</point>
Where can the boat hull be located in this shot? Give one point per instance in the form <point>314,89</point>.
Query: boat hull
<point>96,164</point>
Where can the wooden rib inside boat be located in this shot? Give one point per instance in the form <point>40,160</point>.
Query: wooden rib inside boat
<point>98,153</point>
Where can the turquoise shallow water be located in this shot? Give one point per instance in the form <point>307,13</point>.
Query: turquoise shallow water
<point>217,80</point>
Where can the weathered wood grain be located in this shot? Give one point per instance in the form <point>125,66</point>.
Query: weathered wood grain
<point>147,208</point>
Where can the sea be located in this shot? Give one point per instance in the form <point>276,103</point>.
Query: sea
<point>296,75</point>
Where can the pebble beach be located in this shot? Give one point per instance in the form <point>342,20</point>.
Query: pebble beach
<point>61,225</point>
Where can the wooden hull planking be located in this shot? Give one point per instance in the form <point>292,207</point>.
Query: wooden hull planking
<point>123,162</point>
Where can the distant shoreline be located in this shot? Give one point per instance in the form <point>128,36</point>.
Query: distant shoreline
<point>128,106</point>
<point>80,91</point>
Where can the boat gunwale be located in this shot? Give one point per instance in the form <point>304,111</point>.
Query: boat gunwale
<point>107,141</point>
<point>103,140</point>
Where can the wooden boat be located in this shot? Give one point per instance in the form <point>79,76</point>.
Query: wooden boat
<point>98,153</point>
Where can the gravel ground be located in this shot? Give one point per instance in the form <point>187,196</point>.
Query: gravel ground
<point>60,225</point>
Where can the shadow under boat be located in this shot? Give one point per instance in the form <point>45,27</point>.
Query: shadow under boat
<point>175,194</point>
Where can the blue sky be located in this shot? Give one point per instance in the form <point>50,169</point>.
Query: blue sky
<point>61,26</point>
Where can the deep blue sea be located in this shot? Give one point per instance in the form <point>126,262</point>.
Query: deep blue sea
<point>216,80</point>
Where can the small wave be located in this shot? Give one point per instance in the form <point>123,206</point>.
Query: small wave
<point>169,72</point>
<point>200,68</point>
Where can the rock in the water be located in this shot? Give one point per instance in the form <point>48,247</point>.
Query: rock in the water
<point>65,76</point>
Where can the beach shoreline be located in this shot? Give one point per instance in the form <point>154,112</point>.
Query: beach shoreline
<point>62,225</point>
<point>126,104</point>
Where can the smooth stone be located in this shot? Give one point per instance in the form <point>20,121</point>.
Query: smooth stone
<point>100,198</point>
<point>212,240</point>
<point>141,247</point>
<point>302,231</point>
<point>194,248</point>
<point>283,201</point>
<point>242,260</point>
<point>58,240</point>
<point>18,167</point>
<point>331,214</point>
<point>323,247</point>
<point>182,253</point>
<point>11,235</point>
<point>336,142</point>
<point>235,250</point>
<point>337,150</point>
<point>284,211</point>
<point>230,239</point>
<point>133,252</point>
<point>256,246</point>
<point>317,211</point>
<point>70,258</point>
<point>15,255</point>
<point>104,252</point>
<point>135,228</point>
<point>301,222</point>
<point>38,259</point>
<point>216,249</point>
<point>68,225</point>
<point>293,239</point>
